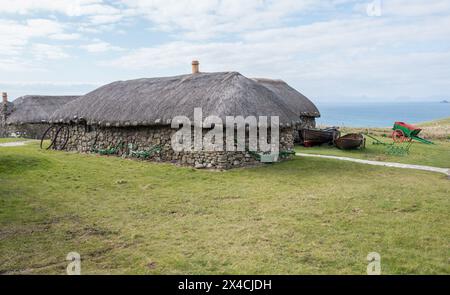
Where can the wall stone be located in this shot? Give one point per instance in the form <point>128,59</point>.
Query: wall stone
<point>90,139</point>
<point>3,116</point>
<point>307,122</point>
<point>3,130</point>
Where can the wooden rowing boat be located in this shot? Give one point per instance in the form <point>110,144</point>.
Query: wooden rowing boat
<point>350,141</point>
<point>311,137</point>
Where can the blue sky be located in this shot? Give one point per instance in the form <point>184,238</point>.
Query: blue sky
<point>331,50</point>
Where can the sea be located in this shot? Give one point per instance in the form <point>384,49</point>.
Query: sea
<point>380,114</point>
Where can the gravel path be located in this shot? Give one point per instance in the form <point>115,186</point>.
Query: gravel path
<point>445,171</point>
<point>15,143</point>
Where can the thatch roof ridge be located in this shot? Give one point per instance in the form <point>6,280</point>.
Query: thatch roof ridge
<point>155,101</point>
<point>302,105</point>
<point>267,80</point>
<point>31,109</point>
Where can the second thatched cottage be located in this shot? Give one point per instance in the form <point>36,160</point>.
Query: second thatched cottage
<point>28,116</point>
<point>134,117</point>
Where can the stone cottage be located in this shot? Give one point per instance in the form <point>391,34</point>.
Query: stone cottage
<point>28,116</point>
<point>5,110</point>
<point>133,118</point>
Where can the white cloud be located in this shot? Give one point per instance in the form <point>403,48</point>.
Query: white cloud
<point>41,26</point>
<point>13,64</point>
<point>351,36</point>
<point>354,55</point>
<point>100,46</point>
<point>105,19</point>
<point>312,44</point>
<point>17,51</point>
<point>201,19</point>
<point>65,36</point>
<point>15,35</point>
<point>91,12</point>
<point>415,7</point>
<point>68,7</point>
<point>45,51</point>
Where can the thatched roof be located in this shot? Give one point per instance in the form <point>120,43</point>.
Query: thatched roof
<point>155,101</point>
<point>30,109</point>
<point>294,99</point>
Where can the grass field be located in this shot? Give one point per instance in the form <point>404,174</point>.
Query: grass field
<point>433,130</point>
<point>437,155</point>
<point>305,216</point>
<point>439,129</point>
<point>441,122</point>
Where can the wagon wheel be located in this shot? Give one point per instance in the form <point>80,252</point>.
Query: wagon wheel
<point>61,138</point>
<point>398,136</point>
<point>44,138</point>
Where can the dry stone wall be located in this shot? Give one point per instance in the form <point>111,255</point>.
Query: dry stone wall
<point>123,140</point>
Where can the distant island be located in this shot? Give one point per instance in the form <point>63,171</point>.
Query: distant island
<point>445,101</point>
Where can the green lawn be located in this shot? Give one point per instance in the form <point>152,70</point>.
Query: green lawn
<point>305,216</point>
<point>437,155</point>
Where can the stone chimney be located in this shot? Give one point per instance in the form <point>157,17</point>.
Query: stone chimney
<point>3,114</point>
<point>195,68</point>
